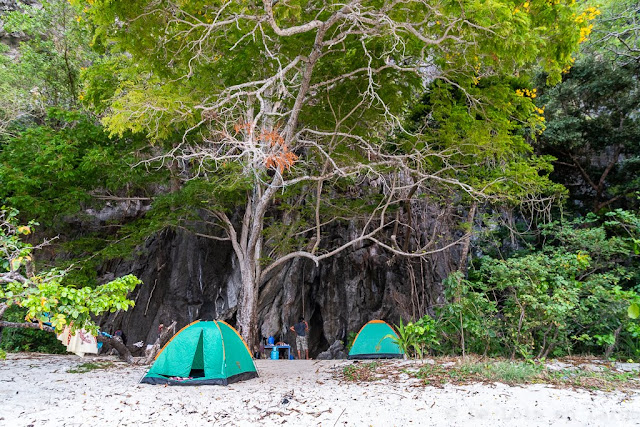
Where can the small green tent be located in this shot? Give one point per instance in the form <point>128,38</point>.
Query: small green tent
<point>374,341</point>
<point>203,353</point>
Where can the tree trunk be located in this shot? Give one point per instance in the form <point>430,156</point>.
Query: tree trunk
<point>125,354</point>
<point>464,255</point>
<point>247,246</point>
<point>610,348</point>
<point>248,310</point>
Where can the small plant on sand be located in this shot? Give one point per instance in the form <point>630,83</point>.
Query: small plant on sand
<point>505,372</point>
<point>90,366</point>
<point>3,354</point>
<point>512,373</point>
<point>415,338</point>
<point>603,379</point>
<point>360,372</point>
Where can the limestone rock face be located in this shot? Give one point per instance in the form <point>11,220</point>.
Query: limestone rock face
<point>186,278</point>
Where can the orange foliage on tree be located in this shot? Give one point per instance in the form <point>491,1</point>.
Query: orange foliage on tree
<point>280,157</point>
<point>242,126</point>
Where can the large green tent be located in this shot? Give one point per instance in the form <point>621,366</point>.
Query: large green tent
<point>203,353</point>
<point>375,341</point>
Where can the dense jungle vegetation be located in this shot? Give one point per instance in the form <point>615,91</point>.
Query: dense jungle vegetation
<point>265,123</point>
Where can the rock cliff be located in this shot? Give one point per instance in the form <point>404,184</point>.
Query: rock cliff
<point>186,278</point>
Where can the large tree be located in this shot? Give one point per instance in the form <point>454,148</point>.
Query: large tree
<point>592,115</point>
<point>593,130</point>
<point>300,100</point>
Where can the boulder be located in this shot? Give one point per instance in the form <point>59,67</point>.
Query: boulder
<point>336,351</point>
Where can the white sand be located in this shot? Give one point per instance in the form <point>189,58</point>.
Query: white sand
<point>37,390</point>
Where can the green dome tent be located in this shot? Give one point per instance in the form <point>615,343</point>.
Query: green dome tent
<point>374,341</point>
<point>203,353</point>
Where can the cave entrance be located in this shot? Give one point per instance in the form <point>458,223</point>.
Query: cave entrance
<point>317,341</point>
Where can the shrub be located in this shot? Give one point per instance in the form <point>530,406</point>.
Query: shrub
<point>574,295</point>
<point>15,340</point>
<point>416,337</point>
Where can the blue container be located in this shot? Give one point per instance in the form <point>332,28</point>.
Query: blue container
<point>275,354</point>
<point>271,341</point>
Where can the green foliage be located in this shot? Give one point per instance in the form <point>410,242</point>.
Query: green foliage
<point>571,296</point>
<point>351,337</point>
<point>545,32</point>
<point>592,121</point>
<point>161,76</point>
<point>66,171</point>
<point>160,85</point>
<point>49,171</point>
<point>615,34</point>
<point>469,313</point>
<point>48,300</point>
<point>481,133</point>
<point>593,126</point>
<point>49,62</point>
<point>57,165</point>
<point>35,340</point>
<point>45,297</point>
<point>415,338</point>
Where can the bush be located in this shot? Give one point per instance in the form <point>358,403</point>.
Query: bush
<point>15,340</point>
<point>351,337</point>
<point>568,297</point>
<point>416,337</point>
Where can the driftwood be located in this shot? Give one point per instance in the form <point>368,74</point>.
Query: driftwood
<point>163,338</point>
<point>122,349</point>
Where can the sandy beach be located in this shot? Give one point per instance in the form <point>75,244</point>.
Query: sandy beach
<point>37,390</point>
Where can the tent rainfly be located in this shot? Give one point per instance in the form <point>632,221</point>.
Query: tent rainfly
<point>203,353</point>
<point>374,341</point>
